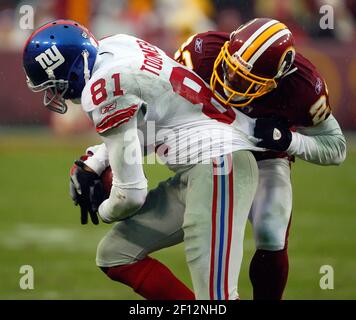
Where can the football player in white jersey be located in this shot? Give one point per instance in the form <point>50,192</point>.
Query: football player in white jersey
<point>125,85</point>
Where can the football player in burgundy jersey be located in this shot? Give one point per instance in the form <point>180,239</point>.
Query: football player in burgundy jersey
<point>257,70</point>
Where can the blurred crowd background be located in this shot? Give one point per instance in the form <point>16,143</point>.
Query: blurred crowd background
<point>167,23</point>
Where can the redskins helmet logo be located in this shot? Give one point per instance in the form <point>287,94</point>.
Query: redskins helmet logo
<point>286,62</point>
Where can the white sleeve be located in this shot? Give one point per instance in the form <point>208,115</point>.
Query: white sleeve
<point>99,160</point>
<point>129,188</point>
<point>109,113</point>
<point>113,108</point>
<point>322,144</point>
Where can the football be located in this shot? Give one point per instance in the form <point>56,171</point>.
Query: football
<point>106,178</point>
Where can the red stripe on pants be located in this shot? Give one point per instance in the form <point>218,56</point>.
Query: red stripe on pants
<point>230,222</point>
<point>213,231</point>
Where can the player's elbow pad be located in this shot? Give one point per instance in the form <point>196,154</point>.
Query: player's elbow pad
<point>122,204</point>
<point>131,200</point>
<point>135,199</point>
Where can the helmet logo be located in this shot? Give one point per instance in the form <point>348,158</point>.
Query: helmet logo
<point>51,58</point>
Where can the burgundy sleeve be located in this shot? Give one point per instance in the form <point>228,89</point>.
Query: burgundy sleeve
<point>200,51</point>
<point>309,100</point>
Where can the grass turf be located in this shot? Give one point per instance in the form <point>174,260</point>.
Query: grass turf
<point>40,227</point>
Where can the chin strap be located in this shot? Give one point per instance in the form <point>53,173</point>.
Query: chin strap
<point>85,55</point>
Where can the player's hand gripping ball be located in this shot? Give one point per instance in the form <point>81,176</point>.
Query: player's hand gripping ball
<point>88,190</point>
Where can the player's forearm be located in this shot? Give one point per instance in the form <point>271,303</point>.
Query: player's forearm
<point>129,186</point>
<point>99,160</point>
<point>323,144</point>
<point>122,203</point>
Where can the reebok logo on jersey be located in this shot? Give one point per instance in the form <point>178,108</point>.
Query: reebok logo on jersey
<point>199,45</point>
<point>318,86</point>
<point>108,108</point>
<point>51,58</point>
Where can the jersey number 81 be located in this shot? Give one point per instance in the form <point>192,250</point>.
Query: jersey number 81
<point>183,82</point>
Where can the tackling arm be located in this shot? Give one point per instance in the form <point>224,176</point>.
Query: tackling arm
<point>323,144</point>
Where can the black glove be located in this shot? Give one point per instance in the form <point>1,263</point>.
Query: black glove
<point>86,189</point>
<point>274,132</point>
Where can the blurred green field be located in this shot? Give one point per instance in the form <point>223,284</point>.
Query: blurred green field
<point>40,227</point>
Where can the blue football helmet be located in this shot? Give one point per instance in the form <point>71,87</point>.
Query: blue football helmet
<point>58,59</point>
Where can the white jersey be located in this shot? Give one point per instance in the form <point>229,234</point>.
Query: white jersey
<point>133,78</point>
<point>137,96</point>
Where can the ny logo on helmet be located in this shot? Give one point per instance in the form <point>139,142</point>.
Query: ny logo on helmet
<point>51,58</point>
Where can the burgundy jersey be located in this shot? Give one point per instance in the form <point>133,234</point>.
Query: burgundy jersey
<point>300,97</point>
